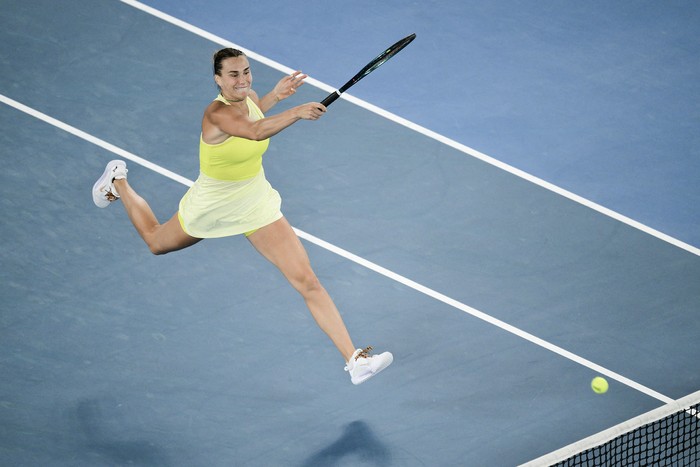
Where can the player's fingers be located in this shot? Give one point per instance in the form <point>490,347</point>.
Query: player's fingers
<point>298,77</point>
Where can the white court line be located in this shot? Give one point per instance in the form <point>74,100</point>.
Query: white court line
<point>94,140</point>
<point>352,257</point>
<point>422,130</point>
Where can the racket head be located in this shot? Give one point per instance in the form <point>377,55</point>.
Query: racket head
<point>379,60</point>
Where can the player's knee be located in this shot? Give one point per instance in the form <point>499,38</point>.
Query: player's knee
<point>306,282</point>
<point>157,251</point>
<point>156,245</point>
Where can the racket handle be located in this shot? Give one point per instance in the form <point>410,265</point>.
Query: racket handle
<point>331,98</point>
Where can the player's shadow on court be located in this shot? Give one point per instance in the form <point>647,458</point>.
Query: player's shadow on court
<point>103,438</point>
<point>358,442</point>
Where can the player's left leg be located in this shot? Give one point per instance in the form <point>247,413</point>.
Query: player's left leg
<point>280,245</point>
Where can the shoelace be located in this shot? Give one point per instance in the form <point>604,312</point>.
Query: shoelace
<point>365,353</point>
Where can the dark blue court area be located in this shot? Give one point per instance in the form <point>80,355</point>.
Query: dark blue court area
<point>503,278</point>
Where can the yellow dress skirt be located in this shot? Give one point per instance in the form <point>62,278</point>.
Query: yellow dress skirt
<point>214,208</point>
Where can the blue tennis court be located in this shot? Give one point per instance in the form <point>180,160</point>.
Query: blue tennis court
<point>509,206</point>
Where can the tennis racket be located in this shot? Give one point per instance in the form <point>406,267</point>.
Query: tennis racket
<point>369,68</point>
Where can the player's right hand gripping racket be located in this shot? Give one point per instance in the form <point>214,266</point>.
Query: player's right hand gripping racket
<point>369,68</point>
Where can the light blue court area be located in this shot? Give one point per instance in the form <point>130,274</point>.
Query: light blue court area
<point>600,98</point>
<point>499,298</point>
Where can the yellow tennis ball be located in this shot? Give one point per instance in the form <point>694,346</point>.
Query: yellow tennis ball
<point>599,385</point>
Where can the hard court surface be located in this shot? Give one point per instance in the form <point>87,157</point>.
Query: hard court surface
<point>503,278</point>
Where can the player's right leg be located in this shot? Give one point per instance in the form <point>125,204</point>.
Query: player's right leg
<point>160,238</point>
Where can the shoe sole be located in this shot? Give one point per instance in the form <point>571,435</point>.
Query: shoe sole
<point>98,197</point>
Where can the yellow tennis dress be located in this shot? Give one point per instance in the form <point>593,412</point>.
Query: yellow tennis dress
<point>231,196</point>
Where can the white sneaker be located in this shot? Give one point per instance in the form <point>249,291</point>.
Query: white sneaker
<point>103,191</point>
<point>362,366</point>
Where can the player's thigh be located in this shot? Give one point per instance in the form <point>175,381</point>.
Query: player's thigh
<point>171,237</point>
<point>280,245</point>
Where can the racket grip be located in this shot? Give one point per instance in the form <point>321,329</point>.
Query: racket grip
<point>331,98</point>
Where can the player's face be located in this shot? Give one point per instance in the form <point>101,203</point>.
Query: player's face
<point>235,79</point>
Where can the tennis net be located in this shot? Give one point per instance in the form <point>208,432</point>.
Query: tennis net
<point>667,436</point>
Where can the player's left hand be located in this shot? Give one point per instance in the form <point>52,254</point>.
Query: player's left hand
<point>289,85</point>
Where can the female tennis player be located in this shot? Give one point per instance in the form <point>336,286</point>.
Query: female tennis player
<point>231,196</point>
